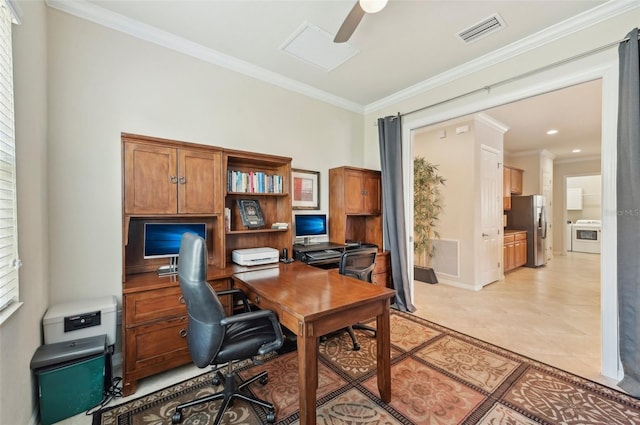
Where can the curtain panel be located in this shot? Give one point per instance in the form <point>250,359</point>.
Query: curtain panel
<point>394,225</point>
<point>628,220</point>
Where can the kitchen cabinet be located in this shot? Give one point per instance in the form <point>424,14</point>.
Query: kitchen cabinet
<point>506,189</point>
<point>511,185</point>
<point>516,181</point>
<point>165,179</point>
<point>514,249</point>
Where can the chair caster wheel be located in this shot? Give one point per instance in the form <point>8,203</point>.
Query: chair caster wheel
<point>264,380</point>
<point>271,416</point>
<point>176,418</point>
<point>216,380</point>
<point>356,347</point>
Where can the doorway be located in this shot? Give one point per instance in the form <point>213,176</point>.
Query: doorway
<point>608,75</point>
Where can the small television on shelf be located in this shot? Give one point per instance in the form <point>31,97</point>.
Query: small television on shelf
<point>162,240</point>
<point>308,226</point>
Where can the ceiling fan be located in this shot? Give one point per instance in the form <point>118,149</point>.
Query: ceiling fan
<point>355,16</point>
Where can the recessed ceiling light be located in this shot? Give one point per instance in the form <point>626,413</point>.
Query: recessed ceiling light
<point>552,131</point>
<point>576,150</point>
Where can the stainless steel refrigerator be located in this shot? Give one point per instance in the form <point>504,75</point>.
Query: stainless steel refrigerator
<point>529,213</point>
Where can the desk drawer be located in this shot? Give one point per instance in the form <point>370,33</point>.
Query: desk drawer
<point>146,306</point>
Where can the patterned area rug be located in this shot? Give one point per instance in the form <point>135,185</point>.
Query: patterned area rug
<point>439,376</point>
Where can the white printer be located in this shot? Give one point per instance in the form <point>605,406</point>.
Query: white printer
<point>255,256</point>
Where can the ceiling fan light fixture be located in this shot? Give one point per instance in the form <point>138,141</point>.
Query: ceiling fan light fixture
<point>373,6</point>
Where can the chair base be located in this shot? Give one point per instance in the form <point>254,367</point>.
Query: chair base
<point>230,392</point>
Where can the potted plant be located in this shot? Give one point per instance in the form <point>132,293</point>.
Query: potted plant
<point>427,205</point>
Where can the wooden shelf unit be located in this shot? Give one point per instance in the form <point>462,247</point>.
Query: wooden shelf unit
<point>173,181</point>
<point>355,211</point>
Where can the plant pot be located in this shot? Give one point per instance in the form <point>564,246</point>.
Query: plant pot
<point>424,274</point>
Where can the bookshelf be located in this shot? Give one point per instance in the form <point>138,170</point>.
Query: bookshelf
<point>274,199</point>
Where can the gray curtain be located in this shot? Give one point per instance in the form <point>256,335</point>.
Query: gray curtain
<point>394,228</point>
<point>628,195</point>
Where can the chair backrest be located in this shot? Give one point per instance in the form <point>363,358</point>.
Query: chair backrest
<point>204,332</point>
<point>359,263</point>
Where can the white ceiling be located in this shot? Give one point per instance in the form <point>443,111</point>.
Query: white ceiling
<point>400,48</point>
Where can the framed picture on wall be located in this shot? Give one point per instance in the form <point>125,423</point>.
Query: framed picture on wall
<point>306,189</point>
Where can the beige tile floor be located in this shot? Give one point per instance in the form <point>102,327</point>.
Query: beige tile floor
<point>551,314</point>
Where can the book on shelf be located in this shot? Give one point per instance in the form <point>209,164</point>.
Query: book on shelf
<point>280,226</point>
<point>253,182</point>
<point>227,219</point>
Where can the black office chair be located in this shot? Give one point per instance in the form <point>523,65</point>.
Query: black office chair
<point>215,339</point>
<point>358,263</point>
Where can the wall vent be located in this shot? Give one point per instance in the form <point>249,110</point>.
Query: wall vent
<point>446,258</point>
<point>482,29</point>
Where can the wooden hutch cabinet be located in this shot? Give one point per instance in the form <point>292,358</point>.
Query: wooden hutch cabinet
<point>170,181</point>
<point>355,213</point>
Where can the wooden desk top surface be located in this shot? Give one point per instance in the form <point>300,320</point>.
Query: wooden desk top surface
<point>308,292</point>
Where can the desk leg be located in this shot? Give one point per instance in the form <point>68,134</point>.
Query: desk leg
<point>307,378</point>
<point>383,336</point>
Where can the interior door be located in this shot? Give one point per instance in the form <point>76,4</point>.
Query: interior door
<point>491,217</point>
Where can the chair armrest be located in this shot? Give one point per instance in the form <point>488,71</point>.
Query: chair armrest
<point>243,297</point>
<point>255,315</point>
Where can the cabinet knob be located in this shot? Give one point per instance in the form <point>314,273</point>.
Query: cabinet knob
<point>173,179</point>
<point>183,333</point>
<point>182,180</point>
<point>181,300</point>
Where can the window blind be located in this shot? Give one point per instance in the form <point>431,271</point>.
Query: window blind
<point>9,261</point>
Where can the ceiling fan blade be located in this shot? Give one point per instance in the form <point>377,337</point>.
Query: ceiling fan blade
<point>350,24</point>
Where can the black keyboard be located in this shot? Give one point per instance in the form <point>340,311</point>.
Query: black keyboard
<point>323,255</point>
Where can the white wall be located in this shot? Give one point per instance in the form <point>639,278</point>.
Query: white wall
<point>103,83</point>
<point>458,160</point>
<point>20,335</point>
<point>591,197</point>
<point>456,219</point>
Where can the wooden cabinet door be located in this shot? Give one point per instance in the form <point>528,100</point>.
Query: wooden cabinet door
<point>353,199</point>
<point>520,252</point>
<point>509,253</point>
<point>506,188</point>
<point>516,181</point>
<point>199,182</point>
<point>371,193</point>
<point>150,179</point>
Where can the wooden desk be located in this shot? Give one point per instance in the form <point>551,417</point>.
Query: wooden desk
<point>312,302</point>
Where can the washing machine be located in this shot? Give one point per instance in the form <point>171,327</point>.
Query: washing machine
<point>585,236</point>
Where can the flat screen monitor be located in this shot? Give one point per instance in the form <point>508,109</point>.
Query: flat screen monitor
<point>310,225</point>
<point>162,240</point>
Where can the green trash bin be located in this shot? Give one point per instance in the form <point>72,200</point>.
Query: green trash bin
<point>71,377</point>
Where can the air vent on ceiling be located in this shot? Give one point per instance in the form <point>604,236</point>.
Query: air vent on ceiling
<point>482,29</point>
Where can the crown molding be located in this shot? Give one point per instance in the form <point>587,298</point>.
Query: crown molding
<point>562,29</point>
<point>491,122</point>
<point>91,12</point>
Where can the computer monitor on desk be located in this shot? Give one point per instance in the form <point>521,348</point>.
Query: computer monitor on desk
<point>308,226</point>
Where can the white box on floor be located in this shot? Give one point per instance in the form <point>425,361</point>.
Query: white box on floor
<point>81,319</point>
